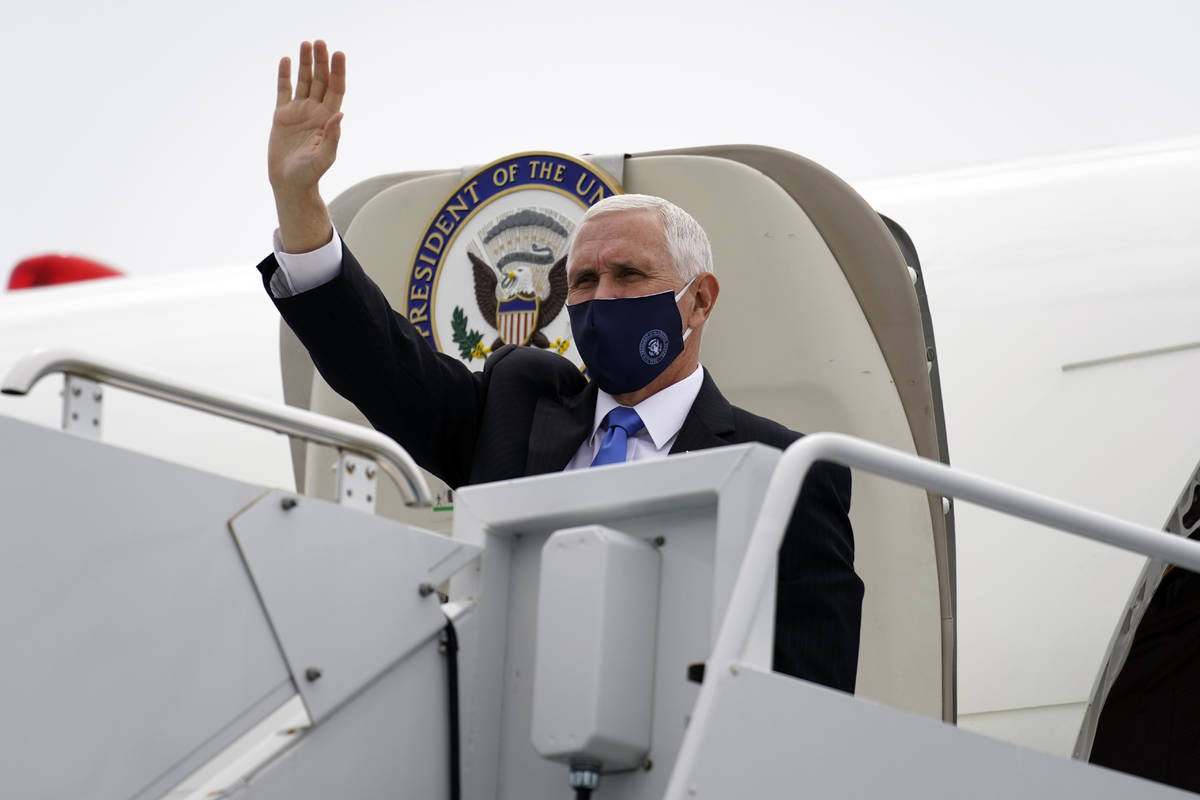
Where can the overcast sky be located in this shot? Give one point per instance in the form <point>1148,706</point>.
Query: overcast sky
<point>135,132</point>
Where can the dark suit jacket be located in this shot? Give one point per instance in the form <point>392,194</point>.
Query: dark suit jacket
<point>527,413</point>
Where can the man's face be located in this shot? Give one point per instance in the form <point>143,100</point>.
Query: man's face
<point>620,254</point>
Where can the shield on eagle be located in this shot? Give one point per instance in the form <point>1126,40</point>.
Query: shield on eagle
<point>517,318</point>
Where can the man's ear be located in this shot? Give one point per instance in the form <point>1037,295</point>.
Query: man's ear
<point>703,298</point>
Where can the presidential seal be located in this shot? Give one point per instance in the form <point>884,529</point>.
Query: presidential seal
<point>491,267</point>
<point>653,347</point>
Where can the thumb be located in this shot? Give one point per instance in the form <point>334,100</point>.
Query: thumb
<point>332,131</point>
<point>327,148</point>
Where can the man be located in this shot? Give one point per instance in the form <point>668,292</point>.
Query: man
<point>640,288</point>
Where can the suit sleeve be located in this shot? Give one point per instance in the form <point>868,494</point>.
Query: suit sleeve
<point>818,602</point>
<point>428,402</point>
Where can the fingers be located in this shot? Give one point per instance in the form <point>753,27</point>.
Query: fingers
<point>304,78</point>
<point>320,70</point>
<point>316,79</point>
<point>283,88</point>
<point>336,89</point>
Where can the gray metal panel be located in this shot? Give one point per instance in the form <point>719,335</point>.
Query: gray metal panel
<point>701,503</point>
<point>684,621</point>
<point>828,744</point>
<point>560,500</point>
<point>135,645</point>
<point>389,742</point>
<point>341,589</point>
<point>596,635</point>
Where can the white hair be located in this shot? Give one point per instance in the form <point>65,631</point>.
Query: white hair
<point>686,240</point>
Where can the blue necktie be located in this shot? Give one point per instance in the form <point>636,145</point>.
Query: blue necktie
<point>622,423</point>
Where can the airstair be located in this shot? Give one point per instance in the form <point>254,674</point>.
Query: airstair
<point>174,633</point>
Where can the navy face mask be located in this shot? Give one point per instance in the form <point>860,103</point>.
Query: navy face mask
<point>626,342</point>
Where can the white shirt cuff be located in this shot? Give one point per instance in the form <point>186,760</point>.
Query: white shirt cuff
<point>299,272</point>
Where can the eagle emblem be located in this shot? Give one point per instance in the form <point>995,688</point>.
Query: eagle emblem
<point>527,286</point>
<point>501,238</point>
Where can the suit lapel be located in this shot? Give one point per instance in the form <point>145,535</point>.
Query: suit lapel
<point>559,426</point>
<point>709,423</point>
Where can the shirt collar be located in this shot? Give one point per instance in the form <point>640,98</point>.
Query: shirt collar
<point>662,413</point>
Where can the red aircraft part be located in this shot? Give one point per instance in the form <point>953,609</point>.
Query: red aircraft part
<point>50,270</point>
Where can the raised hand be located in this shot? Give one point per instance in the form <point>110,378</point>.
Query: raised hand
<point>306,127</point>
<point>303,143</point>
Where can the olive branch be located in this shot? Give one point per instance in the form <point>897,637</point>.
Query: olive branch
<point>467,340</point>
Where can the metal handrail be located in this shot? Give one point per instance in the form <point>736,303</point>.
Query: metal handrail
<point>392,458</point>
<point>780,499</point>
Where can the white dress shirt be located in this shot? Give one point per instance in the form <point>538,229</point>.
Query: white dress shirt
<point>662,413</point>
<point>299,272</point>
